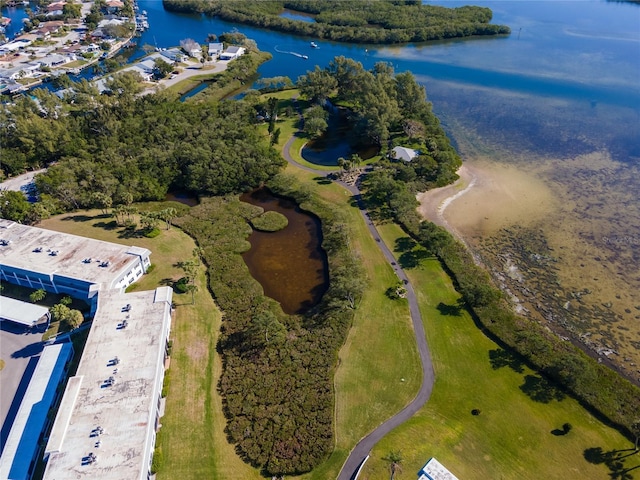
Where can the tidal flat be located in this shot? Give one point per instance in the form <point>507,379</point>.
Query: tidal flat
<point>549,204</point>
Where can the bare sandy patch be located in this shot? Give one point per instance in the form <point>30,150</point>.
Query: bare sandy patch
<point>486,198</point>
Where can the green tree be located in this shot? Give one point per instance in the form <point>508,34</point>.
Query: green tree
<point>162,68</point>
<point>317,85</point>
<point>14,206</point>
<point>64,314</point>
<point>37,295</point>
<point>72,10</point>
<point>265,329</point>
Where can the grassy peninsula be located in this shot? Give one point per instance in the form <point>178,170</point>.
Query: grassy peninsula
<point>377,22</point>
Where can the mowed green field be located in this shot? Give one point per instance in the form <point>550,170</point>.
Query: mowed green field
<point>518,433</point>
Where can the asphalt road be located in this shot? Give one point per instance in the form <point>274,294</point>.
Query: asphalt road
<point>361,450</point>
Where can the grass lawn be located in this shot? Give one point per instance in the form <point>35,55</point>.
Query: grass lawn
<point>514,436</point>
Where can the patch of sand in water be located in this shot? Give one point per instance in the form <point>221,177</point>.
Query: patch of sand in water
<point>486,198</point>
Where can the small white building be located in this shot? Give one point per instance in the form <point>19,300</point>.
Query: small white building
<point>232,53</point>
<point>404,153</point>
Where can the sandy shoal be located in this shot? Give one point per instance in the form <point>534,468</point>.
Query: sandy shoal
<point>487,196</point>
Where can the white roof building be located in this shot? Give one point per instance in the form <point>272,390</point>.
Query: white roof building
<point>404,153</point>
<point>107,421</point>
<point>23,313</point>
<point>434,470</point>
<point>232,52</point>
<point>68,264</point>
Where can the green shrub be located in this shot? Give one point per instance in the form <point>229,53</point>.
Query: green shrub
<point>153,233</point>
<point>181,285</point>
<point>270,222</point>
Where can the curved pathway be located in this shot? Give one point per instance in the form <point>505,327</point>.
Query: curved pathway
<point>360,452</point>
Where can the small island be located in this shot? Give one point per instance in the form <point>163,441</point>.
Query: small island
<point>380,22</point>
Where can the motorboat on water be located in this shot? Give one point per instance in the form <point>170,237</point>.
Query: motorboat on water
<point>314,45</point>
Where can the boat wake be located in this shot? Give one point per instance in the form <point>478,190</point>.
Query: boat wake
<point>295,54</point>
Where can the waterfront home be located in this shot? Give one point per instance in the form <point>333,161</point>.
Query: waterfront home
<point>403,153</point>
<point>215,49</point>
<point>25,70</point>
<point>172,54</point>
<point>56,60</point>
<point>191,47</point>
<point>232,53</point>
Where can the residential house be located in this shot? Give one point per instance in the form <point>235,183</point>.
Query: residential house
<point>232,53</point>
<point>403,153</point>
<point>114,6</point>
<point>215,49</point>
<point>191,47</point>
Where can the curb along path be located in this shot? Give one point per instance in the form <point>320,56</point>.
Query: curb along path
<point>360,452</point>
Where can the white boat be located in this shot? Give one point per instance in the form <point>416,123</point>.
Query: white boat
<point>305,57</point>
<point>314,45</point>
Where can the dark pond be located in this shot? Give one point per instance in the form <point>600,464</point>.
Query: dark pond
<point>290,264</point>
<point>182,197</point>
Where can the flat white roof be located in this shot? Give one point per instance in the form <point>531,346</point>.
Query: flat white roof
<point>434,470</point>
<point>48,252</point>
<point>21,312</point>
<point>125,410</point>
<point>22,442</point>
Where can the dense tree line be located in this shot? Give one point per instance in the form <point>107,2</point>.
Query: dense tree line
<point>277,379</point>
<point>353,21</point>
<point>132,148</point>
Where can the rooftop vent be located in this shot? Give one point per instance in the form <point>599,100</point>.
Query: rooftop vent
<point>104,264</point>
<point>4,242</point>
<point>37,249</point>
<point>54,253</point>
<point>87,260</point>
<point>126,308</point>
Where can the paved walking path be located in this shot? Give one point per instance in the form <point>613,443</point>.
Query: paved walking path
<point>361,450</point>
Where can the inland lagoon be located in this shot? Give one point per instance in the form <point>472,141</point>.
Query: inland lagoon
<point>290,264</point>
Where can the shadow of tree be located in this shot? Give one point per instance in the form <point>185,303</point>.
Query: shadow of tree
<point>615,460</point>
<point>558,432</point>
<point>77,218</point>
<point>504,358</point>
<point>540,389</point>
<point>112,225</point>
<point>322,180</point>
<point>449,310</point>
<point>411,259</point>
<point>405,244</point>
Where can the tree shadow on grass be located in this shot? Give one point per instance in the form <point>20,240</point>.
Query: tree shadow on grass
<point>405,244</point>
<point>112,225</point>
<point>412,258</point>
<point>77,218</point>
<point>615,460</point>
<point>450,310</point>
<point>322,180</point>
<point>540,389</point>
<point>504,358</point>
